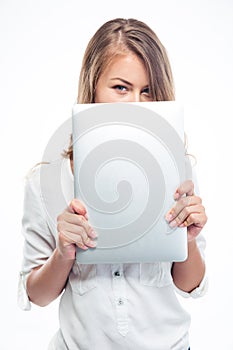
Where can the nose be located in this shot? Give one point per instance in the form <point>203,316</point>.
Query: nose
<point>135,96</point>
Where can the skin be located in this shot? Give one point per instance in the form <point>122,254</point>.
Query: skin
<point>118,83</point>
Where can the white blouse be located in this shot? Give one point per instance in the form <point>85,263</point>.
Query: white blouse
<point>117,306</point>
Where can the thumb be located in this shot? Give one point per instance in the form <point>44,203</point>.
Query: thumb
<point>78,207</point>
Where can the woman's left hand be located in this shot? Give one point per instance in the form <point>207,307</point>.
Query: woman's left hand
<point>188,210</point>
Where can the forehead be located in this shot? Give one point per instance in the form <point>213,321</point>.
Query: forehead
<point>124,64</point>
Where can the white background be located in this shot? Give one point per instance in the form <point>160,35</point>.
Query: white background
<point>42,43</point>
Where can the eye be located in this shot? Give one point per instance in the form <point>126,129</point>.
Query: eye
<point>146,91</point>
<point>121,88</point>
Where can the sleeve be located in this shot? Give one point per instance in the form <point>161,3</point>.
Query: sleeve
<point>201,243</point>
<point>203,286</point>
<point>39,242</point>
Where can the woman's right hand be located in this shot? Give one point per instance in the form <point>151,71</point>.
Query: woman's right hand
<point>74,230</point>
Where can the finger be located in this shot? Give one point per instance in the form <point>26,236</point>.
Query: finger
<point>77,230</point>
<point>78,239</point>
<point>181,204</point>
<point>187,215</point>
<point>78,220</point>
<point>69,238</point>
<point>77,206</point>
<point>197,219</point>
<point>195,228</point>
<point>186,188</point>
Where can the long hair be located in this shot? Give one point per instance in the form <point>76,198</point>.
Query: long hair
<point>120,37</point>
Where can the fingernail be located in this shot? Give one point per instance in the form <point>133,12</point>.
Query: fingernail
<point>92,244</point>
<point>176,195</point>
<point>168,217</point>
<point>173,223</point>
<point>82,246</point>
<point>76,201</point>
<point>93,234</point>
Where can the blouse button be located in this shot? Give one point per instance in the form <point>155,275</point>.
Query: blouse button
<point>120,302</point>
<point>117,274</point>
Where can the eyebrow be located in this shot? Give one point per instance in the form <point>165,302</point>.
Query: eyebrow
<point>123,81</point>
<point>127,82</point>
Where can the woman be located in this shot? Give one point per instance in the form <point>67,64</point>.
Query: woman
<point>119,306</point>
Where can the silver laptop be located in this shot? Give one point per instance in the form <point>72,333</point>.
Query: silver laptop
<point>129,158</point>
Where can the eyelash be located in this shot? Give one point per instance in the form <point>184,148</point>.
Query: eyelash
<point>119,87</point>
<point>146,91</point>
<point>124,88</point>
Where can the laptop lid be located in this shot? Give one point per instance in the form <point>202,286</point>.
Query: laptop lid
<point>129,158</point>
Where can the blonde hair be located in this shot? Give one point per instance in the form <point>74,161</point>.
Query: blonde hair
<point>121,36</point>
